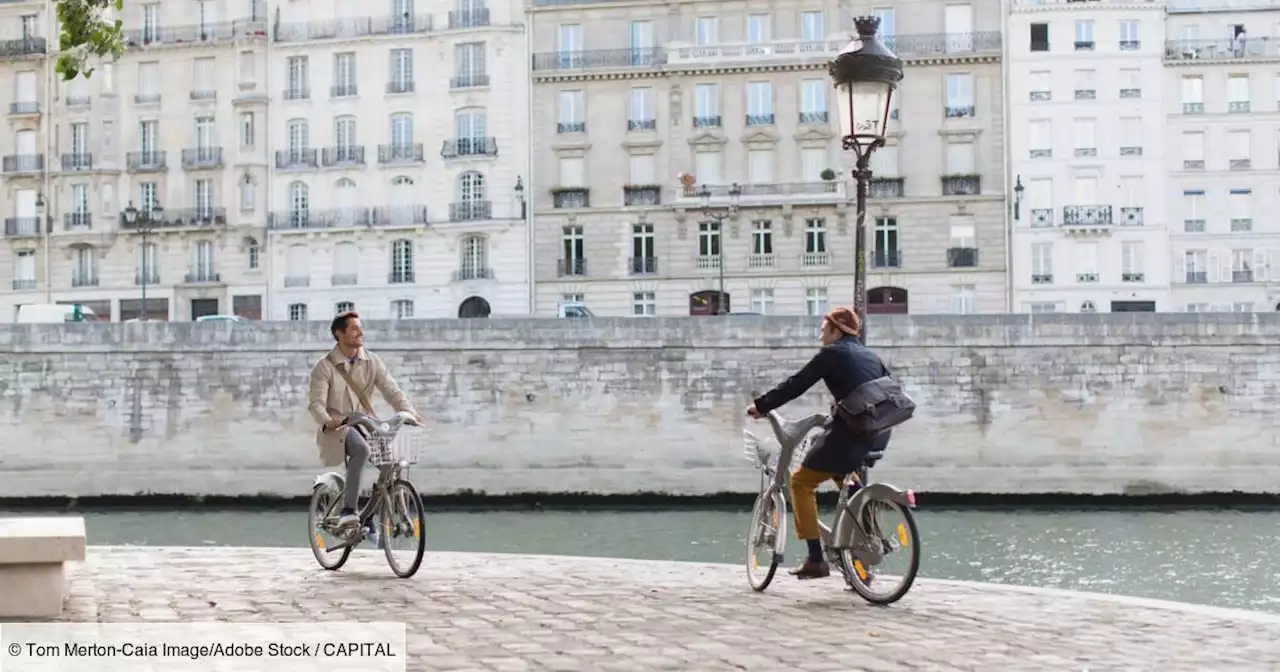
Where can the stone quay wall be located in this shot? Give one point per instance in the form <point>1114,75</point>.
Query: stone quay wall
<point>1009,404</point>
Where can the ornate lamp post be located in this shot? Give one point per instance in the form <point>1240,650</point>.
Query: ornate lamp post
<point>735,192</point>
<point>144,222</point>
<point>1017,200</point>
<point>865,74</point>
<point>520,196</point>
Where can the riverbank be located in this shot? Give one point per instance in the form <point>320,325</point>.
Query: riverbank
<point>511,612</point>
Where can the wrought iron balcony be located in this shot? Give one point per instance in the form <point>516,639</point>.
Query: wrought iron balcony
<point>1242,275</point>
<point>22,164</point>
<point>642,194</point>
<point>199,217</point>
<point>1227,49</point>
<point>24,283</point>
<point>636,125</point>
<point>297,281</point>
<point>21,227</point>
<point>962,257</point>
<point>571,127</point>
<point>813,118</point>
<point>406,153</point>
<point>644,265</point>
<point>468,18</point>
<point>467,273</point>
<point>344,90</point>
<point>571,267</point>
<point>295,159</point>
<point>600,59</point>
<point>713,121</point>
<point>24,109</point>
<point>961,185</point>
<point>758,190</point>
<point>464,147</point>
<point>1041,278</point>
<point>887,187</point>
<point>1130,93</point>
<point>401,277</point>
<point>1086,215</point>
<point>146,161</point>
<point>78,101</point>
<point>887,258</point>
<point>202,277</point>
<point>1197,277</point>
<point>469,211</point>
<point>23,46</point>
<point>1131,216</point>
<point>344,279</point>
<point>346,28</point>
<point>77,220</point>
<point>1041,218</point>
<point>469,81</point>
<point>959,111</point>
<point>202,158</point>
<point>400,215</point>
<point>571,197</point>
<point>203,95</point>
<point>194,33</point>
<point>81,279</point>
<point>400,86</point>
<point>300,93</point>
<point>759,119</point>
<point>77,161</point>
<point>342,155</point>
<point>146,99</point>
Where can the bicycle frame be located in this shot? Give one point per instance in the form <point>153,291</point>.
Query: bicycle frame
<point>335,483</point>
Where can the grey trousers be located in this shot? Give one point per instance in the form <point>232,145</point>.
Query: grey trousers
<point>357,456</point>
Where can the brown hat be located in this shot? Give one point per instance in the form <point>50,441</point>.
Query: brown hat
<point>845,320</point>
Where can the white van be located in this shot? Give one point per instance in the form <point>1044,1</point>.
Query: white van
<point>53,313</point>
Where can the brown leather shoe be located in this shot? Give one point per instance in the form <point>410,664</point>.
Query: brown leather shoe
<point>812,570</point>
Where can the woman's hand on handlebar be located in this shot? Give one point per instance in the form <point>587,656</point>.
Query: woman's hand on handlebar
<point>752,412</point>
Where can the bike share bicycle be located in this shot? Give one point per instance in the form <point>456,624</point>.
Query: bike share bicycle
<point>855,543</point>
<point>394,505</point>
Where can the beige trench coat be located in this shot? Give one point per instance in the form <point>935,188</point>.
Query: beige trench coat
<point>330,398</point>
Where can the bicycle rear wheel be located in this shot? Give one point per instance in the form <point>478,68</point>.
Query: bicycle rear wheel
<point>893,539</point>
<point>766,539</point>
<point>322,502</point>
<point>401,518</point>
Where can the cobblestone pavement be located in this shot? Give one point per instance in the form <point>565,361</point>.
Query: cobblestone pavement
<point>507,612</point>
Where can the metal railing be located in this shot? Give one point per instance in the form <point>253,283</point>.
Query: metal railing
<point>342,155</point>
<point>294,159</point>
<point>406,153</point>
<point>468,18</point>
<point>463,147</point>
<point>148,160</point>
<point>393,24</point>
<point>1086,215</point>
<point>77,161</point>
<point>202,157</point>
<point>468,211</point>
<point>23,163</point>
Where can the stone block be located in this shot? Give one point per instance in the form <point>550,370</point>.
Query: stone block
<point>33,557</point>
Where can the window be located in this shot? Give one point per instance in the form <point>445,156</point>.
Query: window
<point>247,188</point>
<point>572,113</point>
<point>643,169</point>
<point>569,38</point>
<point>402,134</point>
<point>299,79</point>
<point>762,301</point>
<point>1130,83</point>
<point>1238,93</point>
<point>1195,262</point>
<point>148,138</point>
<point>85,271</point>
<point>24,271</point>
<point>1085,83</point>
<point>1041,82</point>
<point>204,198</point>
<point>1242,266</point>
<point>343,307</point>
<point>815,237</point>
<point>1192,95</point>
<point>1039,37</point>
<point>813,101</point>
<point>202,261</point>
<point>1084,35</point>
<point>884,162</point>
<point>80,200</point>
<point>1238,149</point>
<point>1041,139</point>
<point>813,26</point>
<point>344,136</point>
<point>572,171</point>
<point>471,187</point>
<point>469,59</point>
<point>707,166</point>
<point>299,138</point>
<point>203,85</point>
<point>1042,263</point>
<point>150,23</point>
<point>298,312</point>
<point>1086,137</point>
<point>1129,39</point>
<point>470,125</point>
<point>1193,205</point>
<point>815,301</point>
<point>1086,262</point>
<point>759,103</point>
<point>885,247</point>
<point>761,237</point>
<point>248,68</point>
<point>247,133</point>
<point>1040,201</point>
<point>1131,267</point>
<point>706,31</point>
<point>401,71</point>
<point>147,263</point>
<point>959,96</point>
<point>760,166</point>
<point>759,29</point>
<point>644,255</point>
<point>1193,150</point>
<point>205,134</point>
<point>402,309</point>
<point>1040,307</point>
<point>709,239</point>
<point>1240,209</point>
<point>148,196</point>
<point>960,160</point>
<point>573,251</point>
<point>253,254</point>
<point>963,299</point>
<point>344,75</point>
<point>641,115</point>
<point>706,105</point>
<point>299,204</point>
<point>962,232</point>
<point>643,304</point>
<point>813,160</point>
<point>1131,136</point>
<point>402,261</point>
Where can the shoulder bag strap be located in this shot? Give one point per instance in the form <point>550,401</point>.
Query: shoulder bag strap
<point>364,400</point>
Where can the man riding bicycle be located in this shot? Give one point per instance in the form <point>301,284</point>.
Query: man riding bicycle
<point>844,364</point>
<point>340,384</point>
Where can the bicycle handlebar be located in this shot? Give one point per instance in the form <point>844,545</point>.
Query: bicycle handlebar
<point>375,426</point>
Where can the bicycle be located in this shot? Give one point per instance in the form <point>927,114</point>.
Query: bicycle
<point>392,500</point>
<point>855,543</point>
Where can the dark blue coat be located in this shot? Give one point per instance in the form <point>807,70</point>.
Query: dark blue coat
<point>844,366</point>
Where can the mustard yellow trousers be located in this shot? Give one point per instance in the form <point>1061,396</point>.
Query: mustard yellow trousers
<point>804,498</point>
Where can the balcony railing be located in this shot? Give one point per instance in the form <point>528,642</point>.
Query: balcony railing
<point>637,125</point>
<point>21,227</point>
<point>1227,49</point>
<point>1130,216</point>
<point>644,265</point>
<point>904,46</point>
<point>396,153</point>
<point>642,194</point>
<point>959,111</point>
<point>202,158</point>
<point>146,161</point>
<point>571,127</point>
<point>300,93</point>
<point>1242,275</point>
<point>195,33</point>
<point>887,187</point>
<point>469,81</point>
<point>401,86</point>
<point>205,95</point>
<point>23,46</point>
<point>78,101</point>
<point>77,161</point>
<point>711,121</point>
<point>467,273</point>
<point>77,220</point>
<point>962,257</point>
<point>464,147</point>
<point>759,119</point>
<point>779,189</point>
<point>1041,218</point>
<point>297,281</point>
<point>353,217</point>
<point>600,59</point>
<point>19,164</point>
<point>961,185</point>
<point>469,211</point>
<point>570,197</point>
<point>1197,277</point>
<point>24,108</point>
<point>1086,215</point>
<point>24,283</point>
<point>1041,278</point>
<point>817,118</point>
<point>331,29</point>
<point>177,218</point>
<point>344,279</point>
<point>151,277</point>
<point>200,277</point>
<point>403,276</point>
<point>342,155</point>
<point>81,279</point>
<point>146,99</point>
<point>468,18</point>
<point>887,258</point>
<point>346,90</point>
<point>295,159</point>
<point>571,267</point>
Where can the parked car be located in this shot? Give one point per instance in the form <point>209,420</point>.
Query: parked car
<point>53,313</point>
<point>220,318</point>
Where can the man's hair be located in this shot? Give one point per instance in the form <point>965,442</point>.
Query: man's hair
<point>339,323</point>
<point>845,320</point>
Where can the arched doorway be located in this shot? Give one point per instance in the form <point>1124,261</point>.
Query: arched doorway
<point>707,302</point>
<point>887,301</point>
<point>473,307</point>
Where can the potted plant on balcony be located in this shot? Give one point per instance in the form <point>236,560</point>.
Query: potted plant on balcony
<point>828,175</point>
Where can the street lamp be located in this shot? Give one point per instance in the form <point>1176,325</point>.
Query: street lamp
<point>144,222</point>
<point>735,192</point>
<point>865,74</point>
<point>520,196</point>
<point>1017,200</point>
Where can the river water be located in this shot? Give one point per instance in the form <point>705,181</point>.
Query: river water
<point>1220,557</point>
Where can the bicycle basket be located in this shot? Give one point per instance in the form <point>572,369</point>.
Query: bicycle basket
<point>405,447</point>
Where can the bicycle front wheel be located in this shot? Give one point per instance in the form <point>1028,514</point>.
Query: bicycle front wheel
<point>402,519</point>
<point>323,502</point>
<point>893,537</point>
<point>766,539</point>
